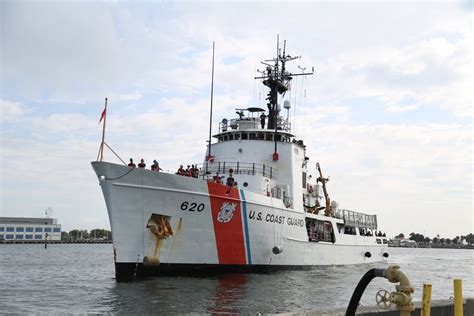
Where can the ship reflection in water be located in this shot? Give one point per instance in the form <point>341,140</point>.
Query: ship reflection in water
<point>223,294</point>
<point>230,288</point>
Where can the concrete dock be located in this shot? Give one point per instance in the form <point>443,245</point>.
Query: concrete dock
<point>438,308</point>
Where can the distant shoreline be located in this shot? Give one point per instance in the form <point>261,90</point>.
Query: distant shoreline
<point>20,242</point>
<point>435,247</point>
<point>41,242</point>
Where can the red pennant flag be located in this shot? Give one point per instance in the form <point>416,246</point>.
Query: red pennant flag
<point>102,116</point>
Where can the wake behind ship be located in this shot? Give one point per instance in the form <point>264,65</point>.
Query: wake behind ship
<point>250,206</point>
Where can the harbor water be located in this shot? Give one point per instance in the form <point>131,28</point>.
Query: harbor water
<point>79,278</point>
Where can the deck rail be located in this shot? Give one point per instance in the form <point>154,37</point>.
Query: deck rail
<point>246,168</point>
<point>352,218</point>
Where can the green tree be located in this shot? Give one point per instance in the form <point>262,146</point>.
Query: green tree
<point>417,237</point>
<point>64,236</point>
<point>469,238</point>
<point>427,240</point>
<point>100,234</point>
<point>78,234</point>
<point>401,236</point>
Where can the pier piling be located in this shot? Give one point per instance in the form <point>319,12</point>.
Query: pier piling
<point>426,302</point>
<point>458,303</point>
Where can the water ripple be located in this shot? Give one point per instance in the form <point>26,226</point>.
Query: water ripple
<point>79,279</point>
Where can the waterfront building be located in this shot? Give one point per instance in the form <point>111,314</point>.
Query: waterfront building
<point>29,229</point>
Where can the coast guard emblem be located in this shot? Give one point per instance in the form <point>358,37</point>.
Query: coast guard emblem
<point>226,212</point>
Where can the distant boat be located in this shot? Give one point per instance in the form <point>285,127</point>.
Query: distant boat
<point>407,243</point>
<point>250,206</point>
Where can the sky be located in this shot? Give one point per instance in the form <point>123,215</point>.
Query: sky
<point>388,112</point>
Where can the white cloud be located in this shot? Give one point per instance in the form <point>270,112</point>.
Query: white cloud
<point>430,73</point>
<point>65,125</point>
<point>407,174</point>
<point>12,111</point>
<point>399,108</point>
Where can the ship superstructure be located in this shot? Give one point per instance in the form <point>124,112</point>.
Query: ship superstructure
<point>252,206</point>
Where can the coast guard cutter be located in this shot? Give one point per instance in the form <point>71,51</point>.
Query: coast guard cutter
<point>270,215</point>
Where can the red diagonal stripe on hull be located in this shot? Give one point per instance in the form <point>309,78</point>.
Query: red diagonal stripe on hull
<point>230,235</point>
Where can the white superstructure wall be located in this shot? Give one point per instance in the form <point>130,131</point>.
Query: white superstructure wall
<point>288,169</point>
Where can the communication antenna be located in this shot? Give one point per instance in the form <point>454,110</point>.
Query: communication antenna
<point>303,69</point>
<point>48,212</point>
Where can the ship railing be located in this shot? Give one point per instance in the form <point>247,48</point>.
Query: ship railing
<point>245,168</point>
<point>284,124</point>
<point>251,123</point>
<point>352,218</point>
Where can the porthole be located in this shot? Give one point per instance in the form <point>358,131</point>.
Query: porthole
<point>246,184</point>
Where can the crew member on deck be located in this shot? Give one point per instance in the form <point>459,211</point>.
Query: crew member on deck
<point>142,164</point>
<point>230,180</point>
<point>180,171</point>
<point>188,171</point>
<point>194,171</point>
<point>155,166</point>
<point>262,120</point>
<point>131,164</point>
<point>217,178</point>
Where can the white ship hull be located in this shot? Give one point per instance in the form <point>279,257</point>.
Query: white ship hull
<point>213,226</point>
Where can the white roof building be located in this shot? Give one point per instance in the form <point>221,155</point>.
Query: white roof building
<point>29,229</point>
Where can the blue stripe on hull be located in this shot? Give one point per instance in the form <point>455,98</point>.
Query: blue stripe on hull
<point>246,227</point>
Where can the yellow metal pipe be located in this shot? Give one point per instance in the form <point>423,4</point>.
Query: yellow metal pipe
<point>458,297</point>
<point>394,275</point>
<point>426,304</point>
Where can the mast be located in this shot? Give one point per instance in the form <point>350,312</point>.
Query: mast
<point>278,80</point>
<point>212,95</point>
<point>100,157</point>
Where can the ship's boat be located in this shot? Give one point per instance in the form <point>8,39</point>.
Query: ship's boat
<point>250,206</point>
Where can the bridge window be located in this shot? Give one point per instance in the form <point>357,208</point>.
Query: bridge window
<point>349,230</point>
<point>237,136</point>
<point>231,137</point>
<point>319,230</point>
<point>269,137</point>
<point>245,136</point>
<point>252,136</point>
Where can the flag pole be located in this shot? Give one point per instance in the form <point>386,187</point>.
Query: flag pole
<point>103,133</point>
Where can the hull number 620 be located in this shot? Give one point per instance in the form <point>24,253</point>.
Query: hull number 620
<point>192,207</point>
